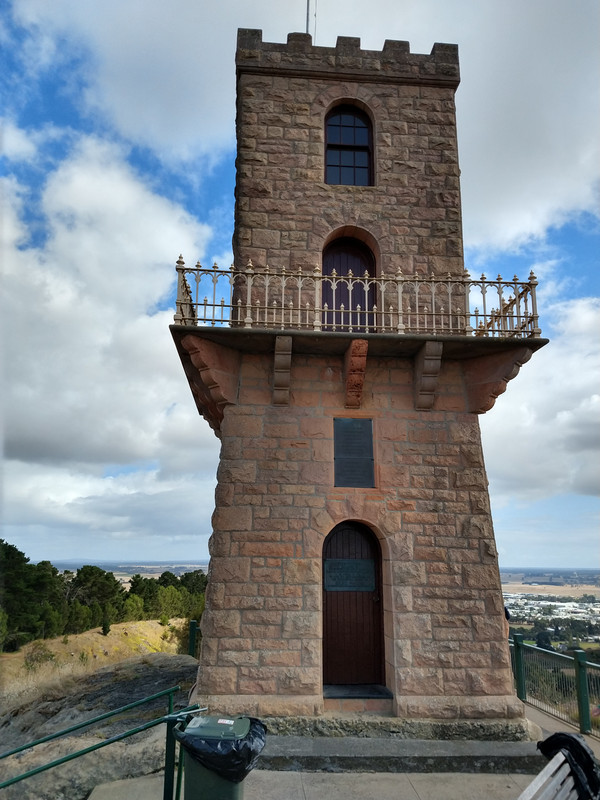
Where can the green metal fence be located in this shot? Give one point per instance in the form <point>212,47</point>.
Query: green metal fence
<point>567,687</point>
<point>170,719</point>
<point>194,638</point>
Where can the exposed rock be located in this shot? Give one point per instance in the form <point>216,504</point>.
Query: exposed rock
<point>79,699</point>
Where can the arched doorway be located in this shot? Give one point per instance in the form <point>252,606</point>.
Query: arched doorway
<point>352,607</point>
<point>349,303</point>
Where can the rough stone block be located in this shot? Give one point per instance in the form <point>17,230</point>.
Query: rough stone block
<point>232,519</point>
<point>300,624</point>
<point>221,623</point>
<point>302,571</point>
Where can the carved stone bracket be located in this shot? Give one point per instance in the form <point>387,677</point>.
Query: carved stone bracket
<point>355,366</point>
<point>428,362</point>
<point>212,371</point>
<point>487,377</point>
<point>282,364</point>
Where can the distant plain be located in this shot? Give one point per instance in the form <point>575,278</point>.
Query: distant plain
<point>548,589</point>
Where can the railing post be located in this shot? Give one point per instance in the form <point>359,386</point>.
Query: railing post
<point>467,283</point>
<point>249,275</point>
<point>317,277</point>
<point>192,638</point>
<point>534,312</point>
<point>519,667</point>
<point>400,292</point>
<point>169,760</point>
<point>583,699</point>
<point>180,267</point>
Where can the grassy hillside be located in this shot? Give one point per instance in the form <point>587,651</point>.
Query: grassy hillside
<point>49,661</point>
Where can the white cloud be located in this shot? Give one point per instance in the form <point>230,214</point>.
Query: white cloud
<point>103,433</point>
<point>528,106</point>
<point>127,504</point>
<point>94,379</point>
<point>95,352</point>
<point>15,144</point>
<point>543,437</point>
<point>528,115</point>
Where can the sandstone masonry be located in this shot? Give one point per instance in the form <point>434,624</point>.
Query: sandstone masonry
<point>272,397</point>
<point>286,213</point>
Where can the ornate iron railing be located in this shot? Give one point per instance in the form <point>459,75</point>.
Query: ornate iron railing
<point>261,297</point>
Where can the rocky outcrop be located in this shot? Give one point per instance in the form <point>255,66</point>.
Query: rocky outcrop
<point>77,699</point>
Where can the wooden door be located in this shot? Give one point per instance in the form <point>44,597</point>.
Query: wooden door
<point>349,306</point>
<point>352,624</point>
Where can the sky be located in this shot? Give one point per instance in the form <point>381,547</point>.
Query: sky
<point>118,153</point>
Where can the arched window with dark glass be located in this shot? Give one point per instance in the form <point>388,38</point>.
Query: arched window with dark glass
<point>348,290</point>
<point>348,147</point>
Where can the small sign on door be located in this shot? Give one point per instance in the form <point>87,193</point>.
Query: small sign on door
<point>349,575</point>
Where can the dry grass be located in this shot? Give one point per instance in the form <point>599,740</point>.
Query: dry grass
<point>79,654</point>
<point>557,591</point>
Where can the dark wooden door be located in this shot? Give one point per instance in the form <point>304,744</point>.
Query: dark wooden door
<point>349,305</point>
<point>352,625</point>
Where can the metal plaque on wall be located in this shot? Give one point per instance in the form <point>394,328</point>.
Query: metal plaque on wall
<point>349,575</point>
<point>353,452</point>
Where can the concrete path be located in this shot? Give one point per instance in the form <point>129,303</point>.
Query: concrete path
<point>373,785</point>
<point>264,785</point>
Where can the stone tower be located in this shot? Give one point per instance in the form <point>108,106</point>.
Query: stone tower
<point>343,366</point>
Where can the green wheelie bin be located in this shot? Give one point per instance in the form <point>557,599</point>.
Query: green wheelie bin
<point>219,752</point>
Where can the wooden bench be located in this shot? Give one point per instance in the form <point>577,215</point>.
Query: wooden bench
<point>555,782</point>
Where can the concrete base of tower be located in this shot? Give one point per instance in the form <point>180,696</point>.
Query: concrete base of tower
<point>280,719</point>
<point>491,718</point>
<point>374,726</point>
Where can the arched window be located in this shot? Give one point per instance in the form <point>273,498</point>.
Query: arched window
<point>348,147</point>
<point>349,300</point>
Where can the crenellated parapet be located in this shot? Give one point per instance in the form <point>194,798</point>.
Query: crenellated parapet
<point>395,63</point>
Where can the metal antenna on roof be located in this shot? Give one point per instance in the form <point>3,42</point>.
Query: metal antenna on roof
<point>308,20</point>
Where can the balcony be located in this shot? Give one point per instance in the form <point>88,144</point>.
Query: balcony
<point>276,300</point>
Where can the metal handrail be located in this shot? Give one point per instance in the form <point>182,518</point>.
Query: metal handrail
<point>263,297</point>
<point>90,749</point>
<point>170,719</point>
<point>576,680</point>
<point>51,736</point>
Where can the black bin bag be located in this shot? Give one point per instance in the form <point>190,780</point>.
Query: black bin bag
<point>228,746</point>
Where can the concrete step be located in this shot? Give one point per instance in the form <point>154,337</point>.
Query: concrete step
<point>361,754</point>
<point>339,756</point>
<point>361,768</point>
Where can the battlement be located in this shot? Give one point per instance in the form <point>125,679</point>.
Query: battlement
<point>394,64</point>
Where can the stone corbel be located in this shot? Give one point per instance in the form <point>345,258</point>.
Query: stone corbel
<point>487,377</point>
<point>212,372</point>
<point>428,362</point>
<point>355,366</point>
<point>282,365</point>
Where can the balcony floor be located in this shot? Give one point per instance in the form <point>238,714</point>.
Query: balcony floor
<point>262,340</point>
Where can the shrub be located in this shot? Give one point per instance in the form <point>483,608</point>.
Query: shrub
<point>37,655</point>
